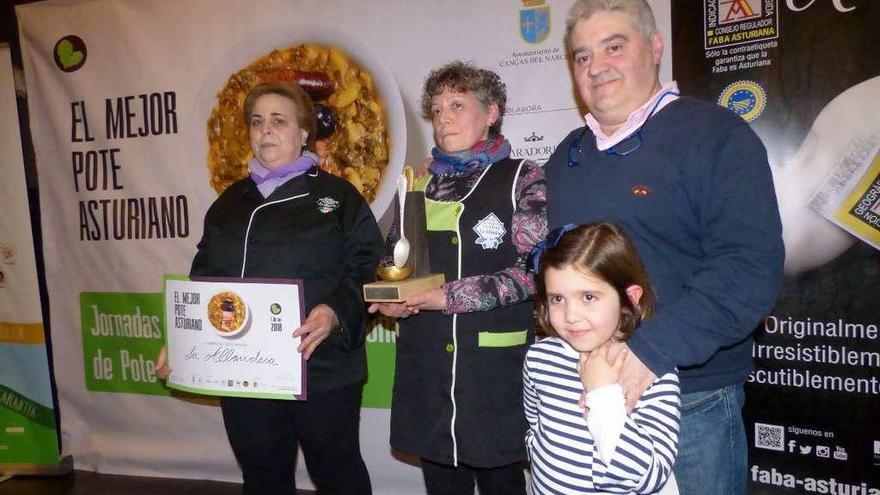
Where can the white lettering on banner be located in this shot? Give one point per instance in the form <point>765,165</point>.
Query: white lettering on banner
<point>711,14</point>
<point>102,366</point>
<point>379,334</point>
<point>133,368</point>
<point>810,328</point>
<point>744,25</point>
<point>808,379</point>
<point>757,46</point>
<point>818,353</point>
<point>773,477</point>
<point>138,368</point>
<point>795,6</point>
<point>136,325</point>
<point>811,432</point>
<point>769,7</point>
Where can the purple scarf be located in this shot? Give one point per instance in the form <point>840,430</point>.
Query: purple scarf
<point>268,180</point>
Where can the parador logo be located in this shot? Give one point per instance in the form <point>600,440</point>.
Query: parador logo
<point>534,23</point>
<point>533,149</point>
<point>70,53</point>
<point>534,138</point>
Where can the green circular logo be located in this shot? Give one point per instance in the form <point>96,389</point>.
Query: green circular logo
<point>275,308</point>
<point>70,53</point>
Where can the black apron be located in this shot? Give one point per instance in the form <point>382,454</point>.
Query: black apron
<point>458,381</point>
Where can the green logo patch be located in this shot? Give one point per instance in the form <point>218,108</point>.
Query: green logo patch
<point>70,53</point>
<point>67,55</point>
<point>327,205</point>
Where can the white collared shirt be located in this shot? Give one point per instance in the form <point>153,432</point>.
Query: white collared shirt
<point>666,95</point>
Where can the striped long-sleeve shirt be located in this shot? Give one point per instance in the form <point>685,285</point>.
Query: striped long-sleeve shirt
<point>610,453</point>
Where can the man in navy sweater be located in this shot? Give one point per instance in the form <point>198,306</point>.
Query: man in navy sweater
<point>690,184</point>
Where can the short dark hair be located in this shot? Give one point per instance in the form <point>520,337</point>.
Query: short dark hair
<point>605,251</point>
<point>302,102</point>
<point>462,77</point>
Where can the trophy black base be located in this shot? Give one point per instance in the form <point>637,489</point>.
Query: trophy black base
<point>398,291</point>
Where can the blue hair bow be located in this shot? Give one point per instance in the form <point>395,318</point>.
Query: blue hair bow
<point>552,239</point>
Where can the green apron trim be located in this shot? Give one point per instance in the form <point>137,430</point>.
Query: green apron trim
<point>501,339</point>
<point>442,216</point>
<point>439,215</point>
<point>421,182</point>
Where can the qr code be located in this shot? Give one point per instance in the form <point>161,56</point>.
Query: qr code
<point>770,437</point>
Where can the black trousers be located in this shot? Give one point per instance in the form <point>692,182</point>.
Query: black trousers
<point>264,435</point>
<point>441,479</point>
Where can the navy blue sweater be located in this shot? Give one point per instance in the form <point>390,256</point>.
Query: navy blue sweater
<point>697,199</point>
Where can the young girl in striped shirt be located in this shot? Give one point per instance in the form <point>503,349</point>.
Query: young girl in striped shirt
<point>592,292</point>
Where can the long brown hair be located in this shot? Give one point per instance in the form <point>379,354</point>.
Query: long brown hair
<point>602,250</point>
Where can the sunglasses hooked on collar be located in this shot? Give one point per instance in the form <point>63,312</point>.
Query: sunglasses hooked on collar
<point>623,148</point>
<point>628,145</point>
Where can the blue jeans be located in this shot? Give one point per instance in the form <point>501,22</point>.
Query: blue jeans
<point>712,450</point>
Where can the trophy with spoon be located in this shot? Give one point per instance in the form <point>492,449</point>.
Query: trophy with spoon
<point>410,272</point>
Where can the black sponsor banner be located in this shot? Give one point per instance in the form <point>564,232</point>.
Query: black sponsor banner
<point>806,75</point>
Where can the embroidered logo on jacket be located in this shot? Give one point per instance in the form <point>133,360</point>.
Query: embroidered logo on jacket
<point>490,231</point>
<point>640,190</point>
<point>326,205</point>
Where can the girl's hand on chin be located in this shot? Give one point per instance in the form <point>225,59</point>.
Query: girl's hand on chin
<point>598,367</point>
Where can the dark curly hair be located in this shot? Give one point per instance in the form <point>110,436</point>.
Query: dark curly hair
<point>462,77</point>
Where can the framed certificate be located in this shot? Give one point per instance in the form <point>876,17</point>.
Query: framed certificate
<point>234,337</point>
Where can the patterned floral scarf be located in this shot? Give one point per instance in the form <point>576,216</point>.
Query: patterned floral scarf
<point>476,158</point>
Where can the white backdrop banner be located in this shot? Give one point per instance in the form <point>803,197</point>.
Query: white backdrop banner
<point>130,155</point>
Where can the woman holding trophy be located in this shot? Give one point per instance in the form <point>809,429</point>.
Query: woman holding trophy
<point>457,400</point>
